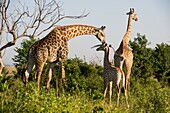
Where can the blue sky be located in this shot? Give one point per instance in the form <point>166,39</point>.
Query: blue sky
<point>153,21</point>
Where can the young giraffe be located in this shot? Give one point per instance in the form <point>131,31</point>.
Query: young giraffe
<point>54,48</point>
<point>124,54</point>
<point>112,75</point>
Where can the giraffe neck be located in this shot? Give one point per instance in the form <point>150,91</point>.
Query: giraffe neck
<point>106,58</point>
<point>72,31</point>
<point>127,35</point>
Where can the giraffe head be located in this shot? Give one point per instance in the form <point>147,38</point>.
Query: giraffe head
<point>99,33</point>
<point>102,47</point>
<point>132,14</point>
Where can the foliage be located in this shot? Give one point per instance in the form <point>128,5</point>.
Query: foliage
<point>146,96</point>
<point>21,58</point>
<point>149,91</point>
<point>83,77</point>
<point>150,62</point>
<point>162,62</point>
<point>4,83</point>
<point>143,58</point>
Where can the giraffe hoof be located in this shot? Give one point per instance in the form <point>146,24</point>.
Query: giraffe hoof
<point>48,90</point>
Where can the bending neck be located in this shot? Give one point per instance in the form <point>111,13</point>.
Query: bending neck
<point>72,31</point>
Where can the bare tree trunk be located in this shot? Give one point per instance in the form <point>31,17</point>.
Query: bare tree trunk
<point>1,64</point>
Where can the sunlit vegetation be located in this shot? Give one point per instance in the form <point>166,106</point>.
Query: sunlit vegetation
<point>149,91</point>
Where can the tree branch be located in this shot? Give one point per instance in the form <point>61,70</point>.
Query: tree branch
<point>25,23</point>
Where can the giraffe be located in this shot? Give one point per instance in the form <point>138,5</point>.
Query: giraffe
<point>124,55</point>
<point>112,75</point>
<point>54,48</point>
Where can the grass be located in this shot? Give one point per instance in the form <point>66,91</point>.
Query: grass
<point>148,97</point>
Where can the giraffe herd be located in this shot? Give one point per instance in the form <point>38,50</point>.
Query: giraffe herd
<point>53,48</point>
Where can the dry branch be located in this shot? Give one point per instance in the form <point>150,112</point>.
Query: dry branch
<point>27,22</point>
<point>22,23</point>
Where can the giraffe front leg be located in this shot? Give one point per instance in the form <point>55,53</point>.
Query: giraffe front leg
<point>105,91</point>
<point>63,76</point>
<point>110,92</point>
<point>56,87</point>
<point>117,94</point>
<point>50,68</point>
<point>38,72</point>
<point>128,66</point>
<point>62,57</point>
<point>126,98</point>
<point>49,79</point>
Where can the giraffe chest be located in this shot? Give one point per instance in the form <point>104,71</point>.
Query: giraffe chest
<point>123,50</point>
<point>110,74</point>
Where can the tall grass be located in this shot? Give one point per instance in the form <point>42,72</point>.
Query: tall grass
<point>145,96</point>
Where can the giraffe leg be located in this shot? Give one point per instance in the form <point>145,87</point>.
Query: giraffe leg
<point>105,89</point>
<point>128,66</point>
<point>29,67</point>
<point>110,92</point>
<point>38,74</point>
<point>126,97</point>
<point>63,76</point>
<point>57,87</point>
<point>50,68</point>
<point>117,94</point>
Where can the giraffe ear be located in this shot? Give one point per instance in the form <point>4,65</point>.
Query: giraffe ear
<point>103,27</point>
<point>132,10</point>
<point>128,13</point>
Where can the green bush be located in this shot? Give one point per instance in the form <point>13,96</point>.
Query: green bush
<point>82,76</point>
<point>148,97</point>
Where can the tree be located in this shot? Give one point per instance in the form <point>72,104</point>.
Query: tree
<point>143,57</point>
<point>22,23</point>
<point>21,58</point>
<point>162,62</point>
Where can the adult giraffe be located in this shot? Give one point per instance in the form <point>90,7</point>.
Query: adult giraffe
<point>124,55</point>
<point>54,48</point>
